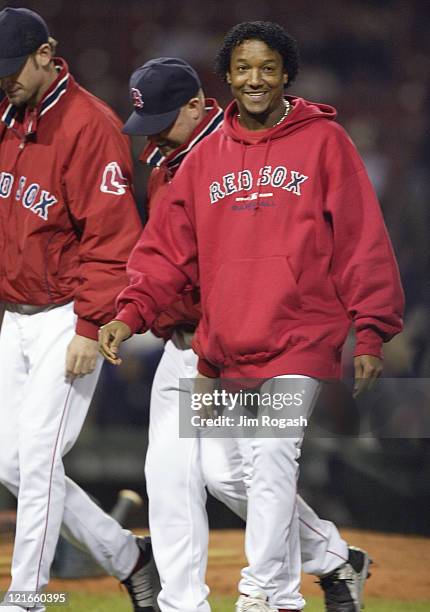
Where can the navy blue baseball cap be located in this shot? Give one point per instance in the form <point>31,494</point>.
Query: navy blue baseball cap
<point>158,90</point>
<point>21,33</point>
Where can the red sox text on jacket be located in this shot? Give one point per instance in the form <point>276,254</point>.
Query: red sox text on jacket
<point>32,197</point>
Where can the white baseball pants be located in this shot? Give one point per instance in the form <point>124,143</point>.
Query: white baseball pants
<point>41,415</point>
<point>272,538</point>
<point>177,470</point>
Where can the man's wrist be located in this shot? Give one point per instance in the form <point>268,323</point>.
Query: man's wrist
<point>87,329</point>
<point>207,369</point>
<point>368,342</point>
<point>130,315</point>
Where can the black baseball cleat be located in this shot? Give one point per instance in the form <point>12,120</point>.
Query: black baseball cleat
<point>343,588</point>
<point>143,584</point>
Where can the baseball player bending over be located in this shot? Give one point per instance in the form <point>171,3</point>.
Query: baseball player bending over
<point>67,224</point>
<point>171,110</point>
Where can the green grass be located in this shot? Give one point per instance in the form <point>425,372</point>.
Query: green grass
<point>85,602</point>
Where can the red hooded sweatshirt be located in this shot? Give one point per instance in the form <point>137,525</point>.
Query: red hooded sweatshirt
<point>284,232</point>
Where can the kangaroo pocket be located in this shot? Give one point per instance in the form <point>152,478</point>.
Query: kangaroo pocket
<point>253,305</point>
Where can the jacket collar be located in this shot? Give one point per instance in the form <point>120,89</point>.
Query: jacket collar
<point>9,112</point>
<point>152,155</point>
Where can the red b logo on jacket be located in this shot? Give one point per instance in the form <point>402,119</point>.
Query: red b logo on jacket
<point>113,180</point>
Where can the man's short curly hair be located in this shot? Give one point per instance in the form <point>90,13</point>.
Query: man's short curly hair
<point>271,33</point>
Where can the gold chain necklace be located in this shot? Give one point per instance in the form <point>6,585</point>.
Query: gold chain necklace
<point>284,116</point>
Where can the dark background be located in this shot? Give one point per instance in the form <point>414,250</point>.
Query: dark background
<point>371,60</point>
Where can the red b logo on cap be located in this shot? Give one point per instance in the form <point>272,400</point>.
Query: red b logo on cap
<point>136,97</point>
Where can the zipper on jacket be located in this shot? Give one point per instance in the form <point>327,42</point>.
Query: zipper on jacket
<point>11,211</point>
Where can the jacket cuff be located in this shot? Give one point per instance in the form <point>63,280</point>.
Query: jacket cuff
<point>87,329</point>
<point>131,317</point>
<point>207,369</point>
<point>368,342</point>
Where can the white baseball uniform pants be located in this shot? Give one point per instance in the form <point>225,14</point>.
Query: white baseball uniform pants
<point>41,415</point>
<point>177,470</point>
<point>272,537</point>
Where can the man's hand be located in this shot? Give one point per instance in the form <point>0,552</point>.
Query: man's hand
<point>203,385</point>
<point>367,369</point>
<point>110,337</point>
<point>81,356</point>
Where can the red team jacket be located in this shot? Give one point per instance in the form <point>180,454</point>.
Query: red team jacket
<point>68,220</point>
<point>283,230</point>
<point>185,312</point>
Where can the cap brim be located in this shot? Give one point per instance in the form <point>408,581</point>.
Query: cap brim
<point>11,65</point>
<point>139,124</point>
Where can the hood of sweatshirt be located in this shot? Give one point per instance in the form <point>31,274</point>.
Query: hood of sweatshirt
<point>302,112</point>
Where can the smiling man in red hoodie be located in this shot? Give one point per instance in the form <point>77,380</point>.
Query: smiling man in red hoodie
<point>275,217</point>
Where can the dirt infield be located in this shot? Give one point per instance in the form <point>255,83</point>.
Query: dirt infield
<point>401,568</point>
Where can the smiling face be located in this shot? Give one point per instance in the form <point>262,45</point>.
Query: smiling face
<point>257,78</point>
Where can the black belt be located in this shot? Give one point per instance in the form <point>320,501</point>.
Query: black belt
<point>28,309</point>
